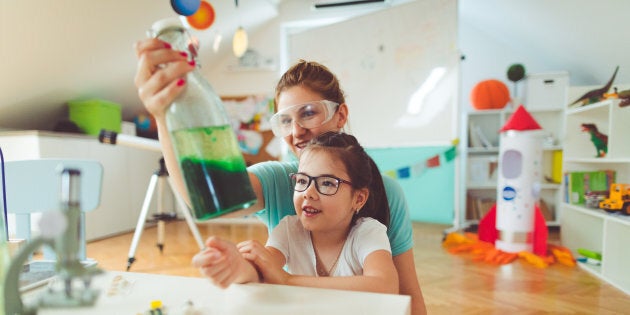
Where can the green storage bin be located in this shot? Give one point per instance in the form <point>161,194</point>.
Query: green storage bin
<point>94,114</point>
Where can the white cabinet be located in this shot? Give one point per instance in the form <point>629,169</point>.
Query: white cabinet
<point>126,174</point>
<point>595,229</point>
<point>481,161</point>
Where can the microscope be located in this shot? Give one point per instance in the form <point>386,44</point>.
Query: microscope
<point>71,288</point>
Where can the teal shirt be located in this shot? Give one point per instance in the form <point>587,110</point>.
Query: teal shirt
<point>276,185</point>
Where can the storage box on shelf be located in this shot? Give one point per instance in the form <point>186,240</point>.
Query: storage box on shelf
<point>546,90</point>
<point>481,160</point>
<point>595,229</point>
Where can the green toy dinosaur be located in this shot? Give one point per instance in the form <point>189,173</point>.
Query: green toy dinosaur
<point>599,139</point>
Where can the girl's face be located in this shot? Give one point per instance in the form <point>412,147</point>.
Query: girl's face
<point>299,137</point>
<point>319,212</point>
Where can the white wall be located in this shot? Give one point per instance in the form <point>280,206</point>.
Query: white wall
<point>267,41</point>
<point>583,37</point>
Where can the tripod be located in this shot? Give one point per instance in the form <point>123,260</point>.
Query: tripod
<point>158,180</point>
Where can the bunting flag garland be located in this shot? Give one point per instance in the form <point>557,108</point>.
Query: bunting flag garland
<point>419,168</point>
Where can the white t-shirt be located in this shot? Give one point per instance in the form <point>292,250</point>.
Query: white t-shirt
<point>290,238</point>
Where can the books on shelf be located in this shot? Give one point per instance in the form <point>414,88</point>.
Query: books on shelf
<point>546,211</point>
<point>578,184</point>
<point>477,138</point>
<point>478,206</point>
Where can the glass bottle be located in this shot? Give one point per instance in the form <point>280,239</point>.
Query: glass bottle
<point>205,145</point>
<point>5,257</point>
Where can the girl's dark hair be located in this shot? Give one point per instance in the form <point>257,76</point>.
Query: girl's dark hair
<point>362,170</point>
<point>314,76</point>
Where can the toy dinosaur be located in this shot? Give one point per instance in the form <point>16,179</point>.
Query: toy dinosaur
<point>599,139</point>
<point>597,94</point>
<point>624,98</point>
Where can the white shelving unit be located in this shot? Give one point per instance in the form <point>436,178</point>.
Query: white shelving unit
<point>594,229</point>
<point>481,181</point>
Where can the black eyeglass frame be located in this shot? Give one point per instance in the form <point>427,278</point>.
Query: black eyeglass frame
<point>314,179</point>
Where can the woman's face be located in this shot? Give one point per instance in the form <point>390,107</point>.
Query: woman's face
<point>299,136</point>
<point>326,213</point>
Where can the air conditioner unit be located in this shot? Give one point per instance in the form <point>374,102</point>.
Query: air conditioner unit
<point>325,4</point>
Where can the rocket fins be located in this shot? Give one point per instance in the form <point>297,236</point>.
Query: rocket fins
<point>539,246</point>
<point>488,226</point>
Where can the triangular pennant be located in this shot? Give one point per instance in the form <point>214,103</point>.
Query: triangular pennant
<point>390,173</point>
<point>450,154</point>
<point>417,169</point>
<point>403,172</point>
<point>434,161</point>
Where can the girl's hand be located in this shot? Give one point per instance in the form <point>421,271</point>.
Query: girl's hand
<point>223,264</point>
<point>268,261</point>
<point>160,74</point>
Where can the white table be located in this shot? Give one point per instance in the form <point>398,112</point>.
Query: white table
<point>131,293</point>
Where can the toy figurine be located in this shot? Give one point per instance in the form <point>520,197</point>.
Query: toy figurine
<point>624,98</point>
<point>599,139</point>
<point>596,95</point>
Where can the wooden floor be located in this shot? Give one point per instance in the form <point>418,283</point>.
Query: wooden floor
<point>451,284</point>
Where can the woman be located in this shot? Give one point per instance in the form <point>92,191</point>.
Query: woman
<point>307,86</point>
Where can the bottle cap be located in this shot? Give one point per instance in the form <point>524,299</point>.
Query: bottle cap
<point>166,23</point>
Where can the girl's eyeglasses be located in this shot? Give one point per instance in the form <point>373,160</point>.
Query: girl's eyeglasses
<point>325,185</point>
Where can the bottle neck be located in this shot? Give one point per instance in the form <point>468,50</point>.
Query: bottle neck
<point>180,40</point>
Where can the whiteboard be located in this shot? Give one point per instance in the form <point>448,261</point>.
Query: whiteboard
<point>382,59</point>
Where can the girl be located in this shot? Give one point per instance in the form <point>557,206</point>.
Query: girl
<point>307,84</point>
<point>339,229</point>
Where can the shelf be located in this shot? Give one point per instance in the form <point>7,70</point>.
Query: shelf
<point>548,223</point>
<point>494,186</point>
<point>495,150</point>
<point>475,150</point>
<point>481,186</point>
<point>597,229</point>
<point>617,217</point>
<point>590,107</point>
<point>553,148</point>
<point>487,112</point>
<point>508,111</point>
<point>596,160</point>
<point>592,269</point>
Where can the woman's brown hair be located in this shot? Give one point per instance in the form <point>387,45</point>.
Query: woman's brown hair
<point>314,76</point>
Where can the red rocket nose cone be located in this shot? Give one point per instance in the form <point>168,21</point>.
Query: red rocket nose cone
<point>521,120</point>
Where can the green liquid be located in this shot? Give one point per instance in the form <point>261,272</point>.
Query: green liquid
<point>214,171</point>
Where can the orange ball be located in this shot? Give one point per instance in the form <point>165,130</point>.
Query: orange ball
<point>203,18</point>
<point>489,94</point>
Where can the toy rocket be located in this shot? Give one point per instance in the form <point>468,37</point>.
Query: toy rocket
<point>518,224</point>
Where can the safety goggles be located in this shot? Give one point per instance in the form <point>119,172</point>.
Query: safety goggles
<point>325,185</point>
<point>308,115</point>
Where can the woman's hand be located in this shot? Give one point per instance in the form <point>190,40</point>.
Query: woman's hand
<point>160,74</point>
<point>222,263</point>
<point>269,261</point>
